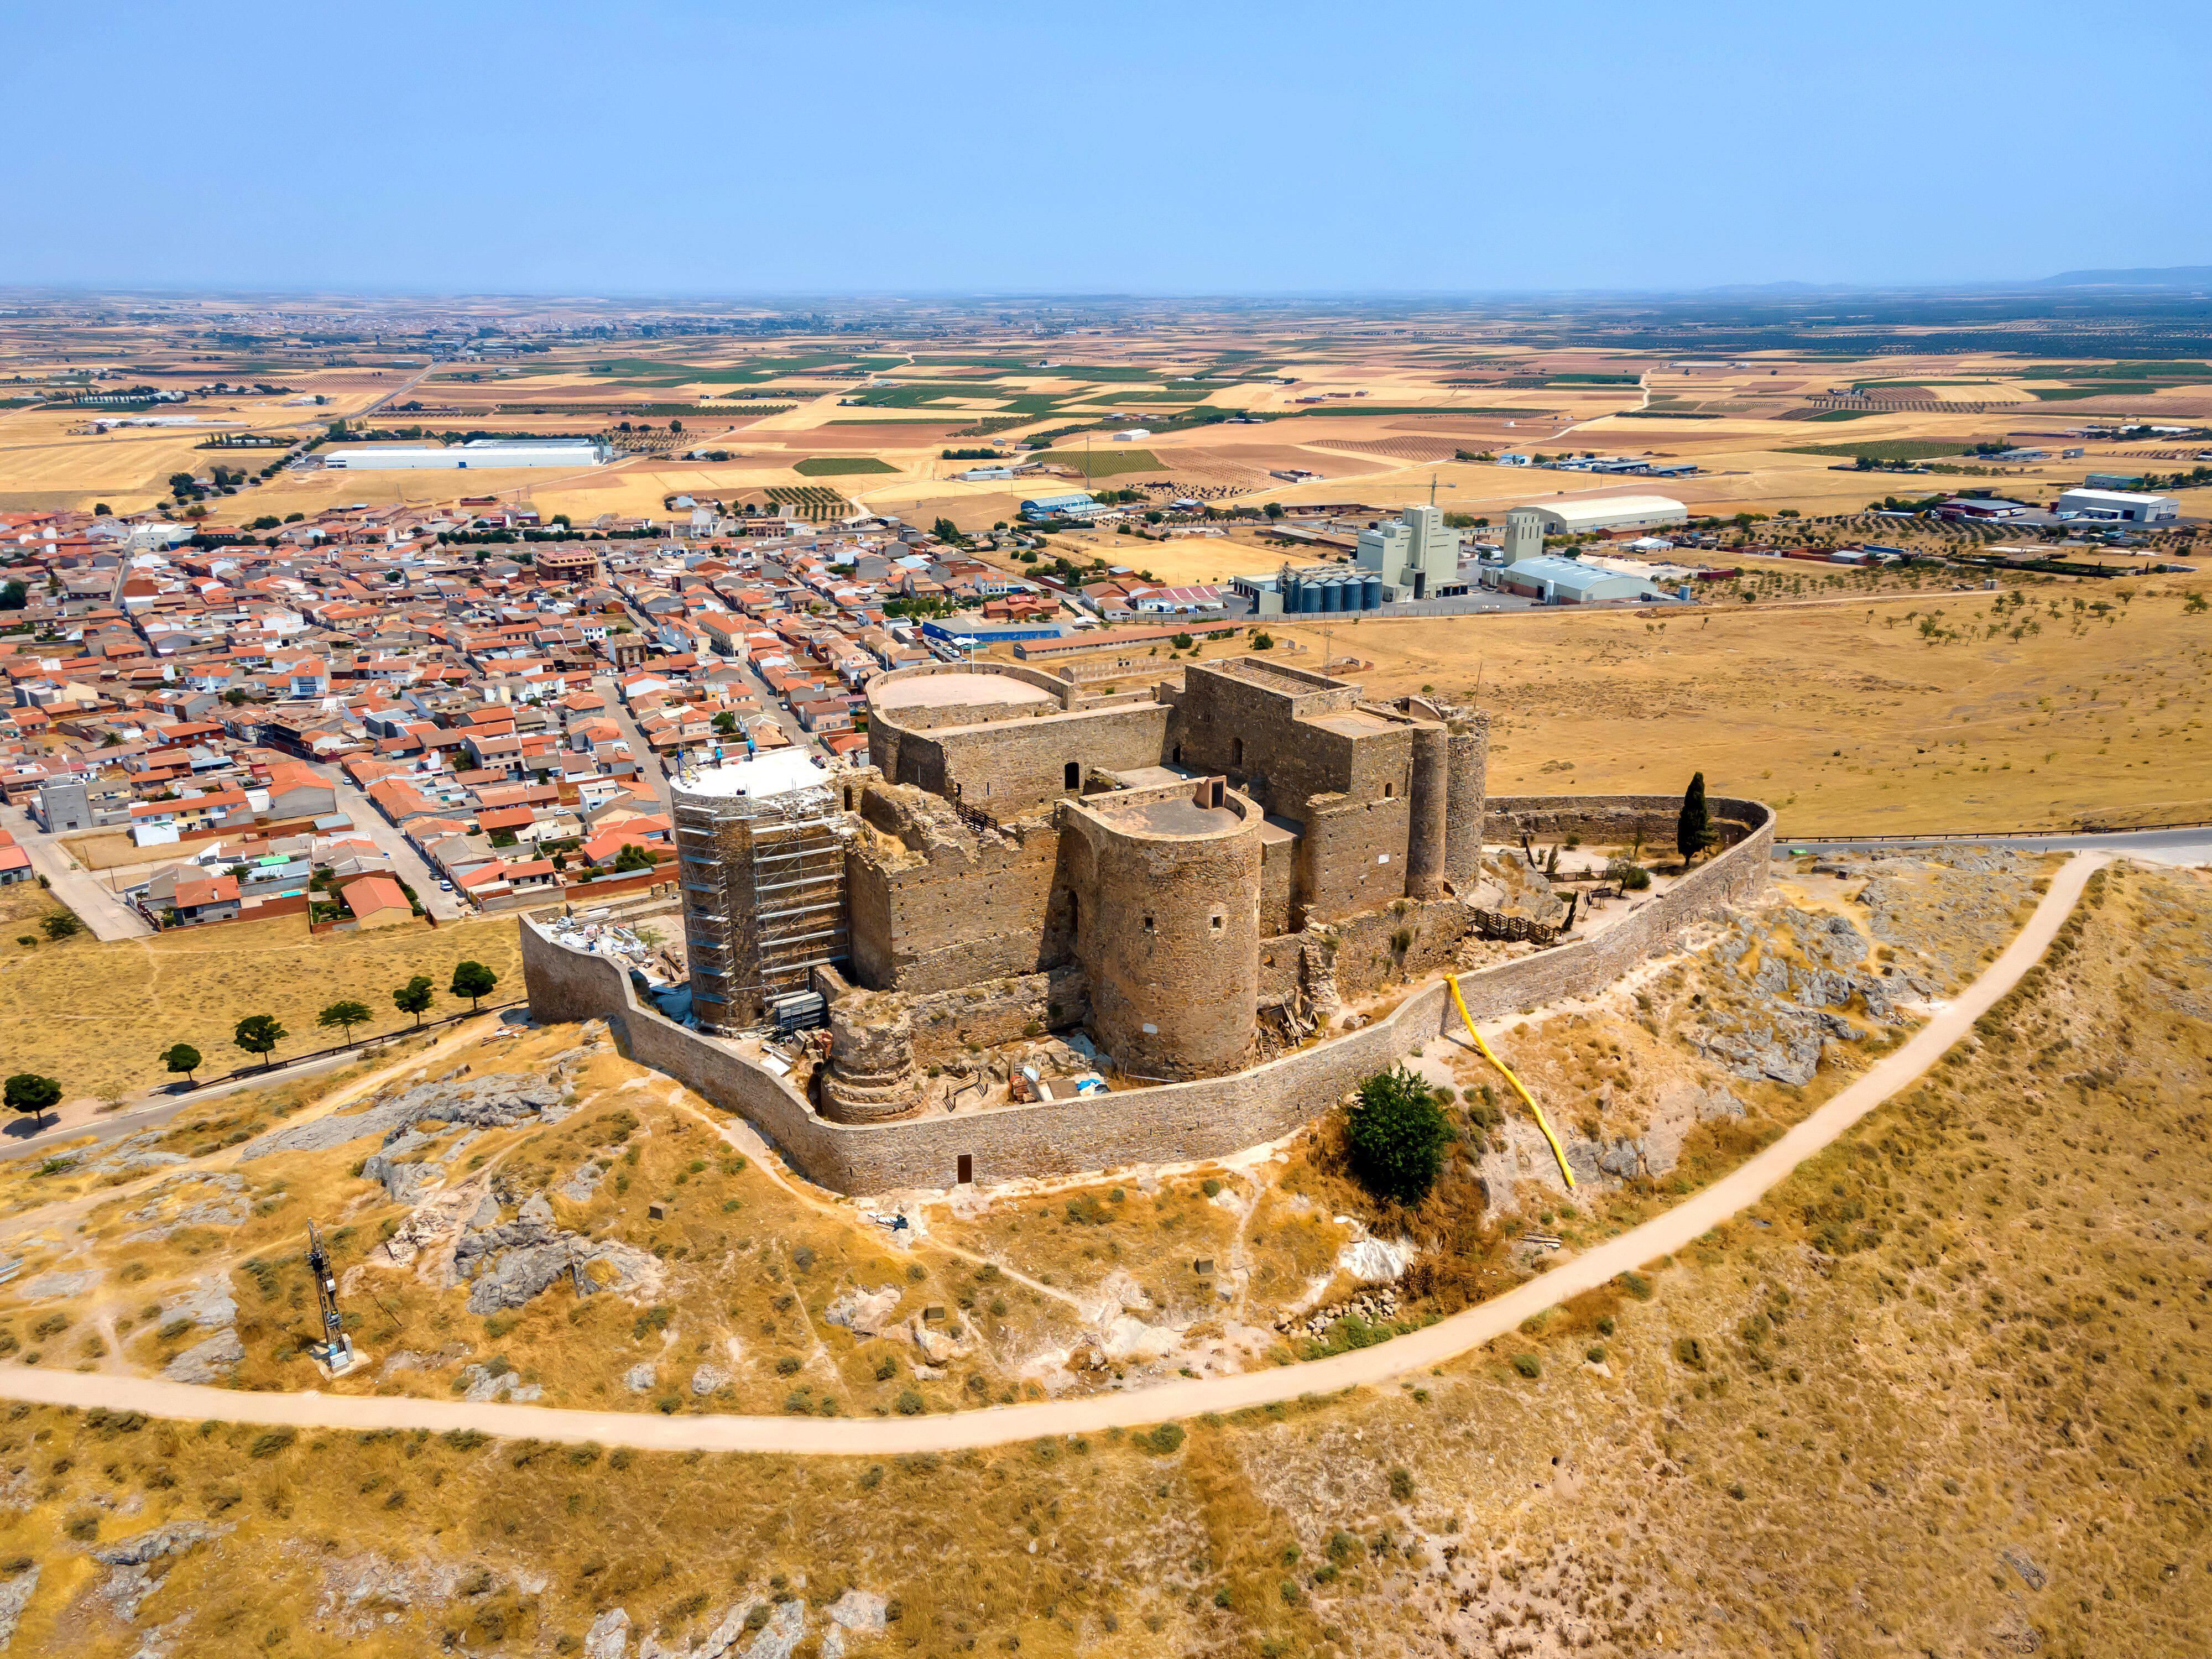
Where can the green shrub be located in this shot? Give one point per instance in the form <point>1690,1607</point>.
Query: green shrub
<point>1396,1136</point>
<point>909,1403</point>
<point>1163,1439</point>
<point>1402,1485</point>
<point>1528,1364</point>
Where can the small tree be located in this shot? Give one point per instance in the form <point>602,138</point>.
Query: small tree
<point>633,857</point>
<point>1397,1135</point>
<point>474,980</point>
<point>260,1034</point>
<point>61,924</point>
<point>29,1093</point>
<point>184,1060</point>
<point>414,998</point>
<point>343,1017</point>
<point>1693,831</point>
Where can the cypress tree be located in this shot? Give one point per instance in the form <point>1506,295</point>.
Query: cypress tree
<point>1693,831</point>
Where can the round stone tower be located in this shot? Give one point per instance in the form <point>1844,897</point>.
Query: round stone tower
<point>1166,883</point>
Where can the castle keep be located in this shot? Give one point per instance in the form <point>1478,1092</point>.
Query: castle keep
<point>1026,854</point>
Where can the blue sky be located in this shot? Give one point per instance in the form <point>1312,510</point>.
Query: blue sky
<point>847,146</point>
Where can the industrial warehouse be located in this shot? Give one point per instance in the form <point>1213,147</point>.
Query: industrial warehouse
<point>479,454</point>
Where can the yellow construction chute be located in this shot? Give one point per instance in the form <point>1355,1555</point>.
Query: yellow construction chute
<point>1459,1002</point>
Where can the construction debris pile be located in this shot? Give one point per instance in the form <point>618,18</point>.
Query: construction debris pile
<point>602,938</point>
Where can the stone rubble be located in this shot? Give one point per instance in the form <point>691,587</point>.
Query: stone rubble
<point>1375,1307</point>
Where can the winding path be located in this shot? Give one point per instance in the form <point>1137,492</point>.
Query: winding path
<point>870,1436</point>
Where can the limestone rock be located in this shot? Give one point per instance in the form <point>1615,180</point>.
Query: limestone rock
<point>609,1636</point>
<point>172,1540</point>
<point>937,1347</point>
<point>16,1596</point>
<point>535,1208</point>
<point>495,1103</point>
<point>581,1186</point>
<point>864,1313</point>
<point>508,1264</point>
<point>207,1362</point>
<point>859,1612</point>
<point>783,1632</point>
<point>485,1214</point>
<point>640,1377</point>
<point>1129,1338</point>
<point>54,1287</point>
<point>404,1183</point>
<point>707,1378</point>
<point>208,1305</point>
<point>1375,1262</point>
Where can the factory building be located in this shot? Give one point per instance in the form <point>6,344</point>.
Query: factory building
<point>1073,504</point>
<point>1417,557</point>
<point>1524,535</point>
<point>1577,518</point>
<point>478,454</point>
<point>1556,580</point>
<point>1315,590</point>
<point>2127,506</point>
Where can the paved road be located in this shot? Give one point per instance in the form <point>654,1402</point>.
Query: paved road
<point>412,868</point>
<point>77,1119</point>
<point>648,764</point>
<point>2185,846</point>
<point>108,916</point>
<point>1094,1414</point>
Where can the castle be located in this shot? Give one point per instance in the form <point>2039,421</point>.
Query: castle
<point>1141,864</point>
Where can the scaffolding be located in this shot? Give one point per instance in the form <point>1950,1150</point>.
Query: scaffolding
<point>763,877</point>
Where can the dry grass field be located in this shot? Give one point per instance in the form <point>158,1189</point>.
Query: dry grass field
<point>1847,716</point>
<point>1940,1391</point>
<point>98,1016</point>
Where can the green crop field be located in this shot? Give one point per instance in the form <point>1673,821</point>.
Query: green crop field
<point>831,466</point>
<point>2059,394</point>
<point>1103,463</point>
<point>1888,449</point>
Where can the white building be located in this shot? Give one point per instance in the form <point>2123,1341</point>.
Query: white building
<point>1417,557</point>
<point>2128,506</point>
<point>478,454</point>
<point>1577,518</point>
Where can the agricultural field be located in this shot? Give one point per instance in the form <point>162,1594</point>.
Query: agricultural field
<point>1882,707</point>
<point>833,466</point>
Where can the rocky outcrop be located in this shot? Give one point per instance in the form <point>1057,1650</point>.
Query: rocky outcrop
<point>493,1103</point>
<point>507,1264</point>
<point>864,1312</point>
<point>207,1362</point>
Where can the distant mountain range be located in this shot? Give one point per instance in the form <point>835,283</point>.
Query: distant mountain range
<point>2181,277</point>
<point>2157,278</point>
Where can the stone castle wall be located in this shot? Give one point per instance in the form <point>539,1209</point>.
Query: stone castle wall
<point>1010,767</point>
<point>1178,1122</point>
<point>968,905</point>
